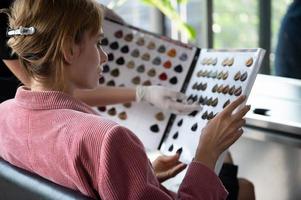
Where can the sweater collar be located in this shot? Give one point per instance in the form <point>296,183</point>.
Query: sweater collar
<point>48,100</point>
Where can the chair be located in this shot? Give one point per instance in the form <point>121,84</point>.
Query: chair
<point>18,184</point>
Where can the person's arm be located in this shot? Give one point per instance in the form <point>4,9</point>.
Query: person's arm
<point>103,95</point>
<point>15,67</point>
<point>100,96</point>
<point>126,173</point>
<point>160,97</point>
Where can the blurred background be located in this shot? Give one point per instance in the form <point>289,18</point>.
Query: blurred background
<point>218,24</point>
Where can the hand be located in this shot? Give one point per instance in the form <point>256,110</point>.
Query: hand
<point>221,132</point>
<point>166,167</point>
<point>165,99</point>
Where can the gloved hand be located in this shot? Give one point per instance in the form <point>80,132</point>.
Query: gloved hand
<point>165,99</point>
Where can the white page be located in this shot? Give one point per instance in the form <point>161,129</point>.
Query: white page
<point>182,135</point>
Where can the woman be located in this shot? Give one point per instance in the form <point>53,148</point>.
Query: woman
<point>62,139</point>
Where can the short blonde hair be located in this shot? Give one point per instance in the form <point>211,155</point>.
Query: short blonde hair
<point>58,23</point>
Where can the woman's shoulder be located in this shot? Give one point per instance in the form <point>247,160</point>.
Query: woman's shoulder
<point>97,132</point>
<point>88,122</point>
<point>99,127</point>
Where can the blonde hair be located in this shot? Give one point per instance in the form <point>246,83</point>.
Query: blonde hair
<point>58,24</point>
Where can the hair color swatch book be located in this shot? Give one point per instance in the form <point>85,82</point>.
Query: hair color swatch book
<point>137,57</point>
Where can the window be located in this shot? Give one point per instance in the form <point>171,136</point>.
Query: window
<point>136,14</point>
<point>196,18</point>
<point>279,8</point>
<point>194,14</point>
<point>235,24</point>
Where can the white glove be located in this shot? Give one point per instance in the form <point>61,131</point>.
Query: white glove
<point>165,99</point>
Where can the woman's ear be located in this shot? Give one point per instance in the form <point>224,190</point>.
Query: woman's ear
<point>71,51</point>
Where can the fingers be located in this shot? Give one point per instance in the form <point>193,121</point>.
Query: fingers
<point>234,137</point>
<point>177,169</point>
<point>181,108</point>
<point>232,106</point>
<point>169,159</point>
<point>181,96</point>
<point>241,113</point>
<point>237,135</point>
<point>237,125</point>
<point>170,103</point>
<point>176,95</point>
<point>171,172</point>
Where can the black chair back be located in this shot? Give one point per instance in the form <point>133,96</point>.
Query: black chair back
<point>16,184</point>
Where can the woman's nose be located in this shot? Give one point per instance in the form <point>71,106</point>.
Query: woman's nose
<point>103,56</point>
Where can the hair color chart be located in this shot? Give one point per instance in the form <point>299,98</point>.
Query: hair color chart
<point>137,57</point>
<point>219,77</point>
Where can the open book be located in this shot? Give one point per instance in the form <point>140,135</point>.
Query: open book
<point>211,77</point>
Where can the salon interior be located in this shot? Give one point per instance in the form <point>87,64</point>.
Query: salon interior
<point>269,152</point>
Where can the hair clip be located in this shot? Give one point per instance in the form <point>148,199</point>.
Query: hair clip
<point>21,31</point>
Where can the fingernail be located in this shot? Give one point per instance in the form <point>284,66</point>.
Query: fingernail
<point>201,108</point>
<point>189,101</point>
<point>196,104</point>
<point>179,151</point>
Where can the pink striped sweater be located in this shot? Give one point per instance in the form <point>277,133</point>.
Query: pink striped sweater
<point>64,140</point>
